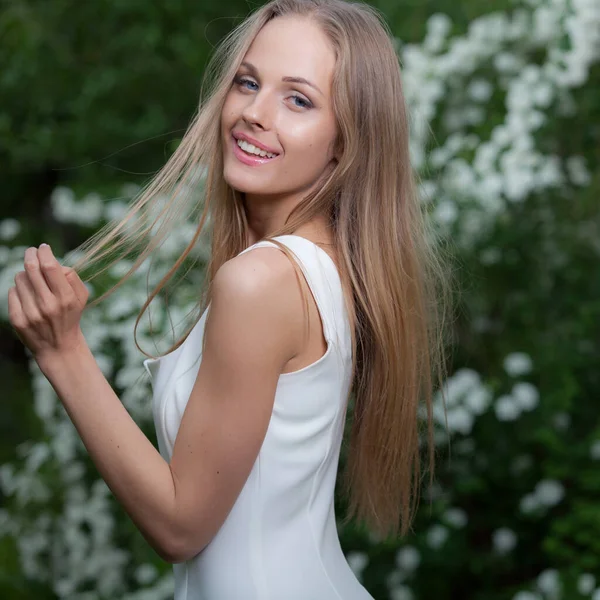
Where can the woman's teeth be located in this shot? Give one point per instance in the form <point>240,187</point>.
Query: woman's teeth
<point>246,147</point>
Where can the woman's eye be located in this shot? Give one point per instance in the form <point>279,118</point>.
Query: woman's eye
<point>306,103</point>
<point>243,82</point>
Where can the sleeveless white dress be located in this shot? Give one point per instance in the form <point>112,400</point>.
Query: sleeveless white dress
<point>280,540</point>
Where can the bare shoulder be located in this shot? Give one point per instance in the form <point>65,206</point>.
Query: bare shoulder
<point>262,285</point>
<point>259,270</point>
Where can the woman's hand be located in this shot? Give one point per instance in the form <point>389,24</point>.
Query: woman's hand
<point>46,305</point>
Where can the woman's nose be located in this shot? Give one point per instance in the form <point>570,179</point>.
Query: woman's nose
<point>258,111</point>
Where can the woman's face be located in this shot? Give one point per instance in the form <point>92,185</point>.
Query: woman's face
<point>293,119</point>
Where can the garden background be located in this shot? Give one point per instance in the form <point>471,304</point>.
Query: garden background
<point>505,114</point>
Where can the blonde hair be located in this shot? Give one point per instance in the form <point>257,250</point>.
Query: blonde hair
<point>395,284</point>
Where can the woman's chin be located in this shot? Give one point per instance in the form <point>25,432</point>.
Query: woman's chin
<point>243,183</point>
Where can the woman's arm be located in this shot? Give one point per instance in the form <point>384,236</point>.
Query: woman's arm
<point>132,467</point>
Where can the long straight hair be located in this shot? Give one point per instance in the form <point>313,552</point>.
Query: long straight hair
<point>396,286</point>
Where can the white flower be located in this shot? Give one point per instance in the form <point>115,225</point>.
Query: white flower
<point>408,558</point>
<point>485,157</point>
<point>518,97</point>
<point>427,190</point>
<point>529,503</point>
<point>37,455</point>
<point>517,363</point>
<point>121,306</point>
<point>440,23</point>
<point>549,492</point>
<point>506,62</point>
<point>456,517</point>
<point>437,535</point>
<point>504,540</point>
<point>596,594</point>
<point>64,588</point>
<point>461,420</point>
<point>595,450</point>
<point>525,595</point>
<point>120,268</point>
<point>115,210</point>
<point>577,170</point>
<point>525,395</point>
<point>62,200</point>
<point>506,408</point>
<point>519,184</point>
<point>90,209</point>
<point>478,400</point>
<point>7,478</point>
<point>357,561</point>
<point>374,538</point>
<point>480,90</point>
<point>586,584</point>
<point>438,26</point>
<point>9,228</point>
<point>45,399</point>
<point>462,382</point>
<point>548,582</point>
<point>543,94</point>
<point>446,212</point>
<point>64,442</point>
<point>550,174</point>
<point>105,362</point>
<point>545,23</point>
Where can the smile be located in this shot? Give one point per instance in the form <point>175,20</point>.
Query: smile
<point>250,159</point>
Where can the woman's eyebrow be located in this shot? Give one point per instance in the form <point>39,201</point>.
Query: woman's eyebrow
<point>302,80</point>
<point>254,71</point>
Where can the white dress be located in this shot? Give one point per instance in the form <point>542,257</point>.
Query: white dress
<point>280,540</point>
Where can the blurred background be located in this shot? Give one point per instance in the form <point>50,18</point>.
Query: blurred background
<point>504,100</point>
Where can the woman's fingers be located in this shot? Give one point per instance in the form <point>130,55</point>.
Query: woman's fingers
<point>78,286</point>
<point>37,280</point>
<point>26,295</point>
<point>53,274</point>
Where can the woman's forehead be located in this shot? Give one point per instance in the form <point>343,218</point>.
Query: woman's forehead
<point>294,47</point>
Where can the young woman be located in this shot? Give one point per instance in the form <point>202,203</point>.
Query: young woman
<point>321,288</point>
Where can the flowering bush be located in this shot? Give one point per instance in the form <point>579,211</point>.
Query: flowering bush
<point>509,177</point>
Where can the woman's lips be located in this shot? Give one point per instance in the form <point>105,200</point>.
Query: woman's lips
<point>250,159</point>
